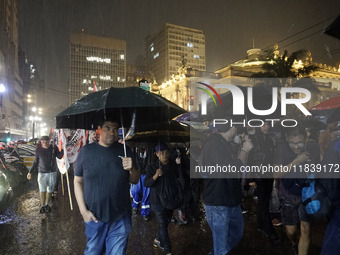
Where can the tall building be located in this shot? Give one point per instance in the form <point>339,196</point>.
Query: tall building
<point>11,88</point>
<point>95,63</point>
<point>173,47</point>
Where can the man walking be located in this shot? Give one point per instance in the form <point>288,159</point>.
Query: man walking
<point>101,187</point>
<point>293,214</point>
<point>263,154</point>
<point>45,161</point>
<point>223,196</point>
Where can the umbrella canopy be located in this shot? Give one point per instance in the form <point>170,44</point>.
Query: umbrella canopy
<point>188,116</point>
<point>334,28</point>
<point>332,103</point>
<point>329,109</point>
<point>169,131</point>
<point>120,104</point>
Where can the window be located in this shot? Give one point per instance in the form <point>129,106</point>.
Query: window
<point>156,55</point>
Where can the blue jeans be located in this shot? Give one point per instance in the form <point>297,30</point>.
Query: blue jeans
<point>110,237</point>
<point>331,244</point>
<point>226,224</point>
<point>140,192</point>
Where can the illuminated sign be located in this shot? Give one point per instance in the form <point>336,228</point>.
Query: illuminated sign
<point>99,60</point>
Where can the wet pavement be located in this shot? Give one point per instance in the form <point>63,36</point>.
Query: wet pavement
<point>23,230</point>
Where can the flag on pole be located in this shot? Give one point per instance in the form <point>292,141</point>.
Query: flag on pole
<point>74,145</point>
<point>94,87</point>
<point>63,164</point>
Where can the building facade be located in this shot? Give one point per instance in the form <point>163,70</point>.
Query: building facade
<point>179,89</point>
<point>135,74</point>
<point>172,47</point>
<point>11,119</point>
<point>96,63</point>
<point>327,78</point>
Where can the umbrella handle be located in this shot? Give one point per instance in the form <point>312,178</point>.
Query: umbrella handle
<point>124,141</point>
<point>123,132</point>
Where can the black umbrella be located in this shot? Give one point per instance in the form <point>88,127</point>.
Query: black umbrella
<point>119,103</point>
<point>334,28</point>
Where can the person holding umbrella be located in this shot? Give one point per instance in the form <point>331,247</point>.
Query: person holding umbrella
<point>101,187</point>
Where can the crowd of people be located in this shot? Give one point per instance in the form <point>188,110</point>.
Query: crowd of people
<point>112,183</point>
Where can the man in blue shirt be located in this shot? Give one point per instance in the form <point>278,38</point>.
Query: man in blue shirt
<point>101,187</point>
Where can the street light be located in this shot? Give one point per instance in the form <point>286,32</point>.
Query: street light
<point>2,90</point>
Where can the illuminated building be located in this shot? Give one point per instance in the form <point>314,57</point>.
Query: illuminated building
<point>177,88</point>
<point>172,45</point>
<point>327,77</point>
<point>11,96</point>
<point>95,62</point>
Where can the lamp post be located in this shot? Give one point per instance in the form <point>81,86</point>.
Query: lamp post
<point>34,120</point>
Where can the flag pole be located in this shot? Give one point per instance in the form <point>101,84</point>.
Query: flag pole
<point>69,191</point>
<point>62,183</point>
<point>123,132</point>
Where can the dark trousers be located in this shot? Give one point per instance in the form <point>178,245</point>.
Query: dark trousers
<point>331,244</point>
<point>163,219</point>
<point>264,190</point>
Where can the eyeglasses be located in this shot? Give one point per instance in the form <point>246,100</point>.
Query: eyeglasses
<point>300,144</point>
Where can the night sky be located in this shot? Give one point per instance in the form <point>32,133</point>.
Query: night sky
<point>229,28</point>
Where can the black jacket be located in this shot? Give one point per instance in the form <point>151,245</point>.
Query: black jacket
<point>170,170</point>
<point>45,159</point>
<point>220,191</point>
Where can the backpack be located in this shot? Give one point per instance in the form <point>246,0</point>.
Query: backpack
<point>171,193</point>
<point>315,199</point>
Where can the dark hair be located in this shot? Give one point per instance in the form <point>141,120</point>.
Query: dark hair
<point>45,137</point>
<point>295,131</point>
<point>103,118</point>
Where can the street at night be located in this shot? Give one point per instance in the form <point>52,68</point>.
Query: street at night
<point>178,127</point>
<point>23,230</point>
